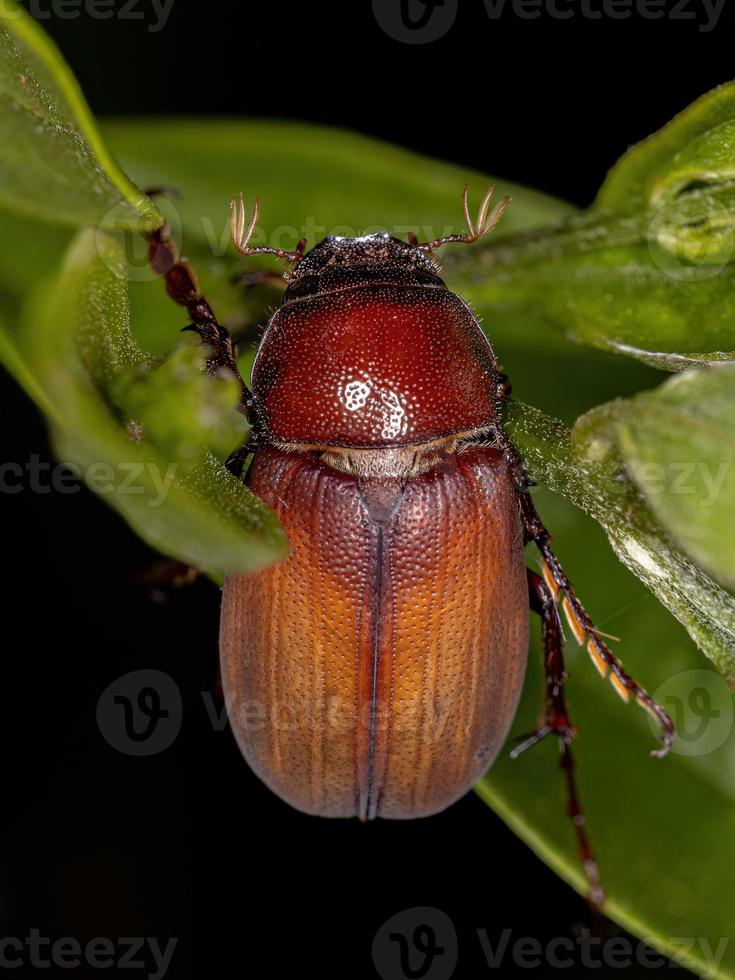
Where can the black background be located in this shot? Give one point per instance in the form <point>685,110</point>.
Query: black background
<point>187,842</point>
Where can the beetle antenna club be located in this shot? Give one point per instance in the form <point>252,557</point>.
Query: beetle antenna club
<point>475,229</point>
<point>242,232</point>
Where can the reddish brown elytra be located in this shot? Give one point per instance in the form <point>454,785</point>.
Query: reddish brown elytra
<point>377,670</point>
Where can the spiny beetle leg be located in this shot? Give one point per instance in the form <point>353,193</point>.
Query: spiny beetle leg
<point>579,621</point>
<point>556,721</point>
<point>182,287</point>
<point>584,630</point>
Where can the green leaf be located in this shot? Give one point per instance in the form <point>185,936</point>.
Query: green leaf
<point>650,270</point>
<point>180,408</point>
<point>695,147</point>
<point>628,299</point>
<point>29,251</point>
<point>53,163</point>
<point>583,466</point>
<point>189,508</point>
<point>13,359</point>
<point>678,445</point>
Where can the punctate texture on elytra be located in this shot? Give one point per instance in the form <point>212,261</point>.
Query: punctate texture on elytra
<point>370,349</point>
<point>377,670</point>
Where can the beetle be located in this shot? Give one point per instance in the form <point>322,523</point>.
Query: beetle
<point>376,671</point>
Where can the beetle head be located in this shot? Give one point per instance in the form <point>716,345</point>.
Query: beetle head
<point>337,262</point>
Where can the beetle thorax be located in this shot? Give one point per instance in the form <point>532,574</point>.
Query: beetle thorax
<point>341,263</point>
<point>371,351</point>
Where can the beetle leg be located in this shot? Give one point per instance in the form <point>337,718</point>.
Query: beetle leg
<point>579,621</point>
<point>583,628</point>
<point>556,721</point>
<point>235,462</point>
<point>182,287</point>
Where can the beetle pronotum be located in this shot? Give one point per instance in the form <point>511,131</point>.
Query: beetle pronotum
<point>389,648</point>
